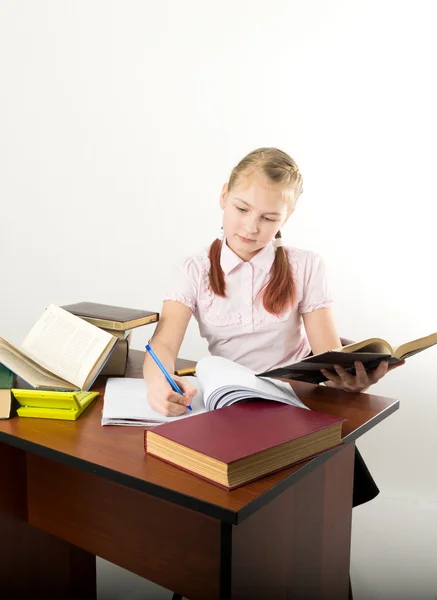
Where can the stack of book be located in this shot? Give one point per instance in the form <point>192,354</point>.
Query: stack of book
<point>61,352</point>
<point>118,321</point>
<point>60,359</point>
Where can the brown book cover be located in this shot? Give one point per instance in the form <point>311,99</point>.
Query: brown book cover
<point>112,317</point>
<point>243,442</point>
<point>116,363</point>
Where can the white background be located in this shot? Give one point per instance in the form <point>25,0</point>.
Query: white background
<point>120,121</point>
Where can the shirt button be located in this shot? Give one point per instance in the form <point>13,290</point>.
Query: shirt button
<point>247,302</point>
<point>246,320</point>
<point>247,284</point>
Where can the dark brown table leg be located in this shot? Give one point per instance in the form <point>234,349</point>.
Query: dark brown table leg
<point>34,563</point>
<point>298,545</point>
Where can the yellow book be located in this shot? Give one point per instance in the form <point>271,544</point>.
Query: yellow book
<point>52,405</point>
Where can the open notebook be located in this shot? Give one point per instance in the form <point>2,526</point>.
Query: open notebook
<point>220,382</point>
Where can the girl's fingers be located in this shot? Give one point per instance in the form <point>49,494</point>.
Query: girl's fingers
<point>395,366</point>
<point>330,376</point>
<point>362,379</point>
<point>379,372</point>
<point>345,377</point>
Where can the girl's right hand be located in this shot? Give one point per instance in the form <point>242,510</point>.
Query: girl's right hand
<point>162,398</point>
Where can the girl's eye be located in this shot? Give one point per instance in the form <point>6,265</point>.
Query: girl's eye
<point>270,220</point>
<point>241,209</point>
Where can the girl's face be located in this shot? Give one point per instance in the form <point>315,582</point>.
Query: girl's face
<point>253,213</point>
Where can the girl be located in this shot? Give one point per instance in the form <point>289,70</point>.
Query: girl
<point>257,302</point>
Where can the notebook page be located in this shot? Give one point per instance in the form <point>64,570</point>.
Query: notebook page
<point>125,403</point>
<point>66,344</point>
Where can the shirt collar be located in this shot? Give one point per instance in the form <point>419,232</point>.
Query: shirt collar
<point>262,260</point>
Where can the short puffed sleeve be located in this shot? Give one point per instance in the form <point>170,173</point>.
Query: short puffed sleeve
<point>184,283</point>
<point>315,287</point>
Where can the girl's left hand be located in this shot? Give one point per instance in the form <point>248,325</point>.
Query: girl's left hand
<point>362,380</point>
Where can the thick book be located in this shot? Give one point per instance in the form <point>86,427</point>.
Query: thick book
<point>370,352</point>
<point>117,362</point>
<point>112,317</point>
<point>6,397</point>
<point>120,334</point>
<point>235,445</point>
<point>61,352</point>
<point>220,383</point>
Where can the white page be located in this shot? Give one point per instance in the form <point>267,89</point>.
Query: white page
<point>125,403</point>
<point>65,344</point>
<point>219,375</point>
<point>125,399</point>
<point>24,366</point>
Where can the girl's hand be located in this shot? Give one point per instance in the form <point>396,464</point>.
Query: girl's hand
<point>162,398</point>
<point>362,380</point>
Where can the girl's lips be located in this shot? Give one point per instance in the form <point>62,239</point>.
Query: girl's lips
<point>246,240</point>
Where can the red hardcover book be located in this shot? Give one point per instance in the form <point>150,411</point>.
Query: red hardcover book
<point>243,442</point>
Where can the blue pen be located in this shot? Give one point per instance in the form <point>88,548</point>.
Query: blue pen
<point>170,379</point>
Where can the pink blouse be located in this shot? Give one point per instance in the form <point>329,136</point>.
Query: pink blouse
<point>238,327</point>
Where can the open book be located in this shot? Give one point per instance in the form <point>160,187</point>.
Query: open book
<point>61,352</point>
<point>370,352</point>
<point>220,382</point>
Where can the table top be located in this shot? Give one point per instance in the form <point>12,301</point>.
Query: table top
<point>117,453</point>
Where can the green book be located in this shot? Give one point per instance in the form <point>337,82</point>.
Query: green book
<point>6,400</point>
<point>6,378</point>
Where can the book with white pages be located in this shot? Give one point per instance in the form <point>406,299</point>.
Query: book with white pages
<point>220,382</point>
<point>61,352</point>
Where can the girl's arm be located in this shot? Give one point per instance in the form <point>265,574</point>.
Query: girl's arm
<point>166,343</point>
<point>168,337</point>
<point>321,331</point>
<point>322,336</point>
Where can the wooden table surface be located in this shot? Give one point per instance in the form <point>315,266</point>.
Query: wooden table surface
<point>117,453</point>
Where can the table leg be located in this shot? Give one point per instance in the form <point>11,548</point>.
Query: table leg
<point>34,563</point>
<point>298,545</point>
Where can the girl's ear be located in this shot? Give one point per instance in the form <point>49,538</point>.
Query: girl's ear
<point>223,195</point>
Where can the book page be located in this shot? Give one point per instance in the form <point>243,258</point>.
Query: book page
<point>66,345</point>
<point>377,345</point>
<point>224,382</point>
<point>125,403</point>
<point>415,346</point>
<point>28,369</point>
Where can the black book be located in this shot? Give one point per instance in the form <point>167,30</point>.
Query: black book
<point>370,352</point>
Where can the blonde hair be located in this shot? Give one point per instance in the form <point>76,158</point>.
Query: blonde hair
<point>280,170</point>
<point>276,166</point>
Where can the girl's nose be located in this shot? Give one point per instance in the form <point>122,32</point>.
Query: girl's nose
<point>251,226</point>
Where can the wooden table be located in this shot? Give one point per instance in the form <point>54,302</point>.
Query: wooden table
<point>74,490</point>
